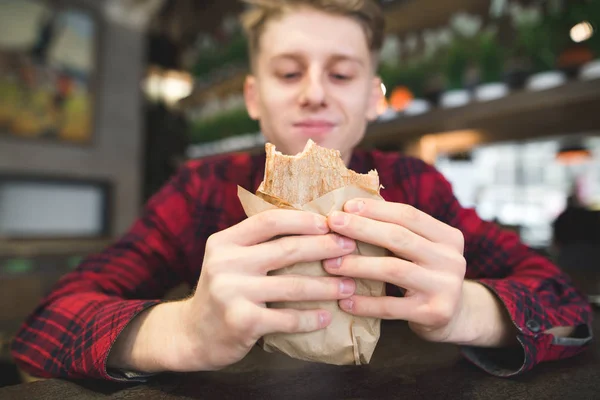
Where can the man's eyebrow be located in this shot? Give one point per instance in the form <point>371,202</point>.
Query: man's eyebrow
<point>292,56</point>
<point>332,59</point>
<point>346,57</point>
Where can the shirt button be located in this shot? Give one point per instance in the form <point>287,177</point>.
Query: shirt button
<point>533,325</point>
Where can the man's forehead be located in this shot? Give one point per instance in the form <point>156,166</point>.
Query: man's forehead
<point>304,46</point>
<point>304,31</point>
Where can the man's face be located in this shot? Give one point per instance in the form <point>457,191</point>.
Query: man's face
<point>313,79</point>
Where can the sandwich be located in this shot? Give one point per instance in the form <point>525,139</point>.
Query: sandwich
<point>292,181</point>
<point>317,180</point>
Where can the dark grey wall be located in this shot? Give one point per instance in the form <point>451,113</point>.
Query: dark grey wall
<point>116,153</point>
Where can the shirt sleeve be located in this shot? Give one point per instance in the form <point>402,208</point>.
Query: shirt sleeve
<point>70,333</point>
<point>537,295</point>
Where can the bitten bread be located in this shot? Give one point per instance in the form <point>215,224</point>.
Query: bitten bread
<point>317,181</point>
<point>297,180</point>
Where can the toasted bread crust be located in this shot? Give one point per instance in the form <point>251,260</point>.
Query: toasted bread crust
<point>316,171</point>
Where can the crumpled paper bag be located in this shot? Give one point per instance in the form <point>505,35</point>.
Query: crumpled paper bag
<point>348,339</point>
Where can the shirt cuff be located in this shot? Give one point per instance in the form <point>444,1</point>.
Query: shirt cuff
<point>120,375</point>
<point>124,313</point>
<point>531,320</point>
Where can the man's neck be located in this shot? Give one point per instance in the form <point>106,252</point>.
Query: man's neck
<point>347,158</point>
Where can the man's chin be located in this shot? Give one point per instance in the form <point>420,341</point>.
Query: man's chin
<point>298,146</point>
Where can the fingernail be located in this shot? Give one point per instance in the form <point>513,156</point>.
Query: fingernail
<point>347,286</point>
<point>355,206</point>
<point>333,263</point>
<point>324,318</point>
<point>344,242</point>
<point>338,218</point>
<point>321,223</point>
<point>346,304</point>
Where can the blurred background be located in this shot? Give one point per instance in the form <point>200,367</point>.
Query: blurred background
<point>101,101</point>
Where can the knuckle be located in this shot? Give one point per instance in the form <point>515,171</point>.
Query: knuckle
<point>267,220</point>
<point>394,270</point>
<point>248,324</point>
<point>388,310</point>
<point>221,289</point>
<point>461,265</point>
<point>215,288</point>
<point>295,288</point>
<point>400,239</point>
<point>213,241</point>
<point>454,260</point>
<point>288,247</point>
<point>209,272</point>
<point>240,320</point>
<point>441,314</point>
<point>231,319</point>
<point>213,265</point>
<point>458,239</point>
<point>292,323</point>
<point>409,213</point>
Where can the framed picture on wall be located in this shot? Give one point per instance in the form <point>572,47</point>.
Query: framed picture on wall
<point>48,68</point>
<point>40,207</point>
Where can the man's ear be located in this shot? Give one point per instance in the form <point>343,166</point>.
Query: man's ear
<point>374,99</point>
<point>251,97</point>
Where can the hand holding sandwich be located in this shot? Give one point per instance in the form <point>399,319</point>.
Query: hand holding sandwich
<point>227,314</point>
<point>427,260</point>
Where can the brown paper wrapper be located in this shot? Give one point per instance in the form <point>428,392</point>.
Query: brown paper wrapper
<point>348,339</point>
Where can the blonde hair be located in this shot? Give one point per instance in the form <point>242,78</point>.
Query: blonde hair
<point>367,13</point>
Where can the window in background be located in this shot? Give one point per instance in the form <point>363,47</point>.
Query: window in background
<point>38,209</point>
<point>522,184</point>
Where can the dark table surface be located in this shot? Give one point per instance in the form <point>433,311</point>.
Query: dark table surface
<point>403,367</point>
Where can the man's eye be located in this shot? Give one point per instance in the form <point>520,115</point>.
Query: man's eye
<point>290,75</point>
<point>341,77</point>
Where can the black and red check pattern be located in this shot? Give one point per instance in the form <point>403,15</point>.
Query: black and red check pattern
<point>71,332</point>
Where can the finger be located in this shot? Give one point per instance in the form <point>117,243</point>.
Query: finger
<point>272,223</point>
<point>385,307</point>
<point>411,309</point>
<point>392,270</point>
<point>297,288</point>
<point>409,217</point>
<point>395,238</point>
<point>291,250</point>
<point>292,321</point>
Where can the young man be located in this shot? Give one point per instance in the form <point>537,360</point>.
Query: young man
<point>313,76</point>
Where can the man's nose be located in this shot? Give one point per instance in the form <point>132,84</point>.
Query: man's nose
<point>313,91</point>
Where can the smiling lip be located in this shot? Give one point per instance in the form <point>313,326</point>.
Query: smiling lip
<point>314,127</point>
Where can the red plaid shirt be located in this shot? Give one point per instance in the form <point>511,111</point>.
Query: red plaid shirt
<point>71,332</point>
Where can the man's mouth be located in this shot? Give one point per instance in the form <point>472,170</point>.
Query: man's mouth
<point>315,127</point>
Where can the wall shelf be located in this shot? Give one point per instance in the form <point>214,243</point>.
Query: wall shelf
<point>568,109</point>
<point>571,108</point>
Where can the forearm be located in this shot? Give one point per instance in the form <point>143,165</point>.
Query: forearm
<point>483,320</point>
<point>152,342</point>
